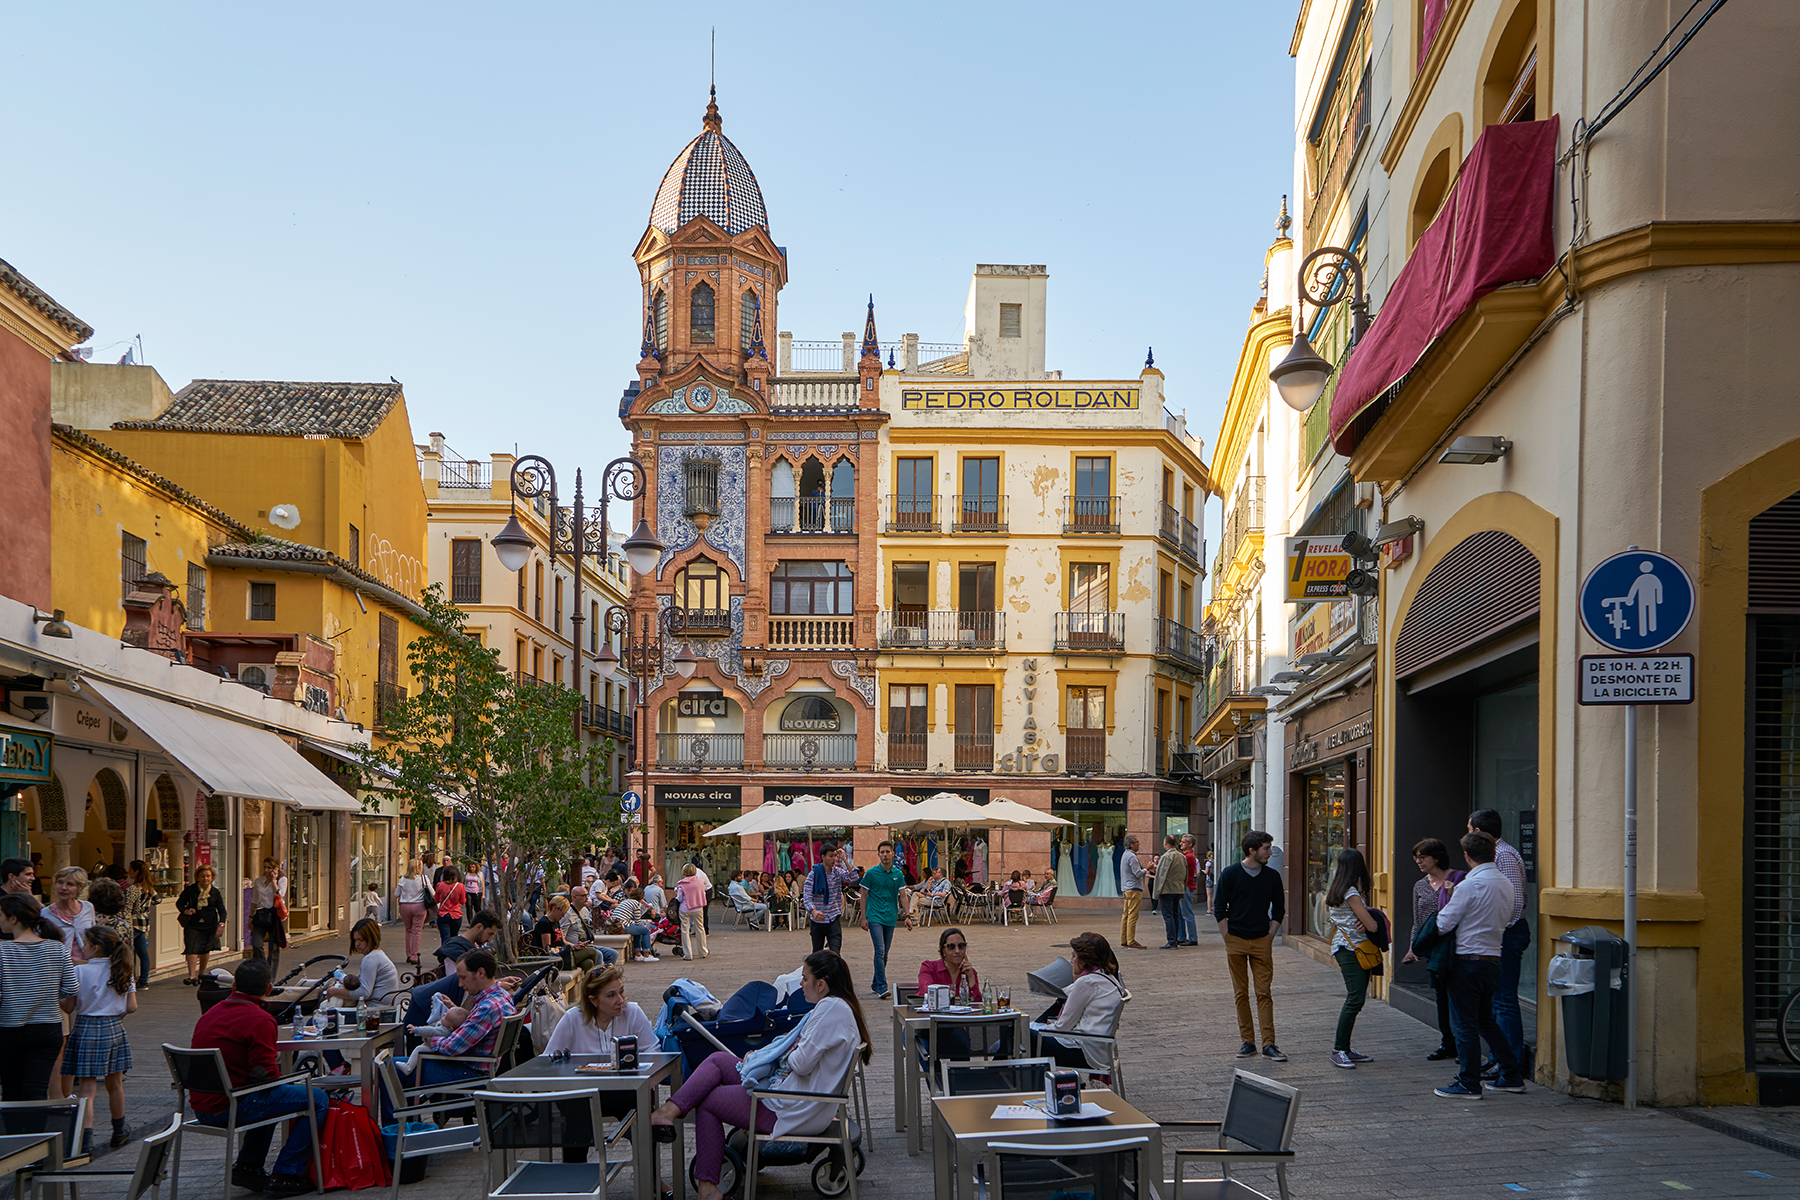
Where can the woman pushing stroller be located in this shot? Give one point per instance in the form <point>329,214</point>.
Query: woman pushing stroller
<point>817,1060</point>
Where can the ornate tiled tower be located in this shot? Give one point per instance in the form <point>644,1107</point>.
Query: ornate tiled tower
<point>760,494</point>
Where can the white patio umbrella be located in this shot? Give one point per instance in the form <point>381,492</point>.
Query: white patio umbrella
<point>1011,812</point>
<point>802,812</point>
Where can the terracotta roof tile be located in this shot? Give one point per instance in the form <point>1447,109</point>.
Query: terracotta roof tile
<point>39,299</point>
<point>255,406</point>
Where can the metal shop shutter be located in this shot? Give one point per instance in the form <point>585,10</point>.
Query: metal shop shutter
<point>1485,586</point>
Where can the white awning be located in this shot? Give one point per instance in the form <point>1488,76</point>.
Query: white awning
<point>230,758</point>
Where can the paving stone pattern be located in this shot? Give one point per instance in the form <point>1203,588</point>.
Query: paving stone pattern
<point>1376,1131</point>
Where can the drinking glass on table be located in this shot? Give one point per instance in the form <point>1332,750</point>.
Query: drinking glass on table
<point>1004,996</point>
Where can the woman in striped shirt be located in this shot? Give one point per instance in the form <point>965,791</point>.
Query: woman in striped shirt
<point>40,988</point>
<point>629,913</point>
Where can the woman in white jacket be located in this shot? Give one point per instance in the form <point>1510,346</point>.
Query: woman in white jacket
<point>818,1061</point>
<point>1090,1006</point>
<point>601,1016</point>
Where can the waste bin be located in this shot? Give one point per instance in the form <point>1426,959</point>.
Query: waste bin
<point>1593,981</point>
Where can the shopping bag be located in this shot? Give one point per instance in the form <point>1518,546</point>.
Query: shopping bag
<point>351,1150</point>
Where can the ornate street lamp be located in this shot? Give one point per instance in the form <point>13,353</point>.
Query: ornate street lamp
<point>643,662</point>
<point>1301,376</point>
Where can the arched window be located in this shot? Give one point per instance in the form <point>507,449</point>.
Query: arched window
<point>660,312</point>
<point>703,591</point>
<point>747,309</point>
<point>1509,85</point>
<point>1434,185</point>
<point>700,315</point>
<point>701,474</point>
<point>782,515</point>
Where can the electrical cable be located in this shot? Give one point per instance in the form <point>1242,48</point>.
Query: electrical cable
<point>1620,102</point>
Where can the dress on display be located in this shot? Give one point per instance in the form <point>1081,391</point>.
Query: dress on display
<point>1106,879</point>
<point>931,853</point>
<point>768,856</point>
<point>1118,860</point>
<point>781,856</point>
<point>978,861</point>
<point>801,860</point>
<point>1065,868</point>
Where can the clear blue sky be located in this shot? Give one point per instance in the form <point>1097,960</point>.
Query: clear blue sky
<point>450,194</point>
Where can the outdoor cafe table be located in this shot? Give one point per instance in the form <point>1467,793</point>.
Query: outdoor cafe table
<point>909,1022</point>
<point>351,1043</point>
<point>540,1074</point>
<point>964,1125</point>
<point>21,1150</point>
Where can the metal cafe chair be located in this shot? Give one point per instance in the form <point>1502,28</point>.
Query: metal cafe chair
<point>995,1077</point>
<point>1259,1117</point>
<point>836,1172</point>
<point>155,1155</point>
<point>204,1071</point>
<point>422,1143</point>
<point>61,1117</point>
<point>1118,1169</point>
<point>486,1065</point>
<point>513,1121</point>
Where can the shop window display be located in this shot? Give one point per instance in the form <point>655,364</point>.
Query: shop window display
<point>1327,832</point>
<point>1085,857</point>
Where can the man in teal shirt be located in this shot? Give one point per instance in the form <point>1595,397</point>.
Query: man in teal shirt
<point>882,887</point>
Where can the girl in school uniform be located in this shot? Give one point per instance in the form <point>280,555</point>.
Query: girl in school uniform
<point>97,1049</point>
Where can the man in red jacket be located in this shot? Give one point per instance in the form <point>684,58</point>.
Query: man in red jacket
<point>242,1030</point>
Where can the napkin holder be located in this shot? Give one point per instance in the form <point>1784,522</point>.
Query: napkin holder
<point>1062,1093</point>
<point>625,1054</point>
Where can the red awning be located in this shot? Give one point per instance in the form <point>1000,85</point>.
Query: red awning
<point>1495,228</point>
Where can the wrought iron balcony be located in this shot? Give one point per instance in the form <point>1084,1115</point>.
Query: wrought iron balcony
<point>1168,525</point>
<point>974,751</point>
<point>1190,542</point>
<point>1090,514</point>
<point>941,630</point>
<point>1085,750</point>
<point>388,698</point>
<point>1175,640</point>
<point>698,751</point>
<point>1091,632</point>
<point>978,514</point>
<point>912,514</point>
<point>812,514</point>
<point>705,622</point>
<point>810,751</point>
<point>906,751</point>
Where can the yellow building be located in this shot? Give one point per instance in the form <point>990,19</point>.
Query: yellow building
<point>304,558</point>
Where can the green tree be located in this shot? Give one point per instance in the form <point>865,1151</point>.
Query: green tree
<point>501,754</point>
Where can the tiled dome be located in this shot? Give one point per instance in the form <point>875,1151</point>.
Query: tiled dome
<point>709,178</point>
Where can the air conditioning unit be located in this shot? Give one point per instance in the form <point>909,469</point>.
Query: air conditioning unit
<point>255,675</point>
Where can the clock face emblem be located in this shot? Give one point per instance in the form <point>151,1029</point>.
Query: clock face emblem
<point>700,397</point>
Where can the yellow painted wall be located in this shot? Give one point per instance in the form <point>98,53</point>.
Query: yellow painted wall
<point>94,501</point>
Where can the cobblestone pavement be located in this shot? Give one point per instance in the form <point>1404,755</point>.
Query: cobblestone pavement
<point>1373,1132</point>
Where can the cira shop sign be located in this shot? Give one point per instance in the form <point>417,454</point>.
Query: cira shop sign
<point>1029,757</point>
<point>701,704</point>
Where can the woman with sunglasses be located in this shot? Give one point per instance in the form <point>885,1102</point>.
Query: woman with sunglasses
<point>950,969</point>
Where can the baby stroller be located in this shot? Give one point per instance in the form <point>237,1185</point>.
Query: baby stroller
<point>750,1018</point>
<point>829,1178</point>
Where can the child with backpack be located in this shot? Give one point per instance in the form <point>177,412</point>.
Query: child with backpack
<point>97,1049</point>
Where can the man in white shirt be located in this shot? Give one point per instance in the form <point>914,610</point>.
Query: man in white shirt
<point>705,882</point>
<point>1513,943</point>
<point>1477,914</point>
<point>654,897</point>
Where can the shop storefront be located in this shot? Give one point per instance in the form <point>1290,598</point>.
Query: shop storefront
<point>1327,797</point>
<point>1086,854</point>
<point>686,815</point>
<point>969,856</point>
<point>780,852</point>
<point>369,863</point>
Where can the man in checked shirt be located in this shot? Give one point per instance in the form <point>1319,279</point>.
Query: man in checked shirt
<point>822,895</point>
<point>489,1004</point>
<point>1514,940</point>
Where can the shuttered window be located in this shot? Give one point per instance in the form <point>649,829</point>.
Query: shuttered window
<point>1485,586</point>
<point>1009,320</point>
<point>661,313</point>
<point>196,596</point>
<point>1775,558</point>
<point>387,658</point>
<point>465,571</point>
<point>262,602</point>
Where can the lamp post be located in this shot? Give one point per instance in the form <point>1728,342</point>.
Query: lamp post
<point>533,476</point>
<point>1301,376</point>
<point>641,653</point>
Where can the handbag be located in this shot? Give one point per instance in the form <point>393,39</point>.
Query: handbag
<point>351,1149</point>
<point>1368,955</point>
<point>281,908</point>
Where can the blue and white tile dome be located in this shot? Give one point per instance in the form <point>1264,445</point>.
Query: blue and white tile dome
<point>709,178</point>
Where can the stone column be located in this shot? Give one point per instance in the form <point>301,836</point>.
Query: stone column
<point>62,839</point>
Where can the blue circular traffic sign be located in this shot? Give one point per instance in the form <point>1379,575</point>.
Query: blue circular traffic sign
<point>630,802</point>
<point>1637,601</point>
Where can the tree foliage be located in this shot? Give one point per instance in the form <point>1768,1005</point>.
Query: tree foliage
<point>479,743</point>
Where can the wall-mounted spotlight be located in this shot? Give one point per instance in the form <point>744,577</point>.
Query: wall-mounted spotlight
<point>54,625</point>
<point>1394,531</point>
<point>1466,450</point>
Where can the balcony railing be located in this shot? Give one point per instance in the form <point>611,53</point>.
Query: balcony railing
<point>825,393</point>
<point>1086,750</point>
<point>1168,526</point>
<point>697,751</point>
<point>1190,541</point>
<point>1092,632</point>
<point>812,633</point>
<point>1090,514</point>
<point>906,751</point>
<point>812,514</point>
<point>942,630</point>
<point>388,698</point>
<point>705,622</point>
<point>810,751</point>
<point>975,751</point>
<point>604,720</point>
<point>455,473</point>
<point>1244,519</point>
<point>1234,674</point>
<point>978,514</point>
<point>1175,640</point>
<point>912,514</point>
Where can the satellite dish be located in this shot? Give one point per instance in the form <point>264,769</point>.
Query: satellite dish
<point>284,516</point>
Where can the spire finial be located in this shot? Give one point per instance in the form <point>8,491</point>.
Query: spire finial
<point>712,120</point>
<point>648,348</point>
<point>1149,357</point>
<point>756,349</point>
<point>1284,222</point>
<point>870,343</point>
